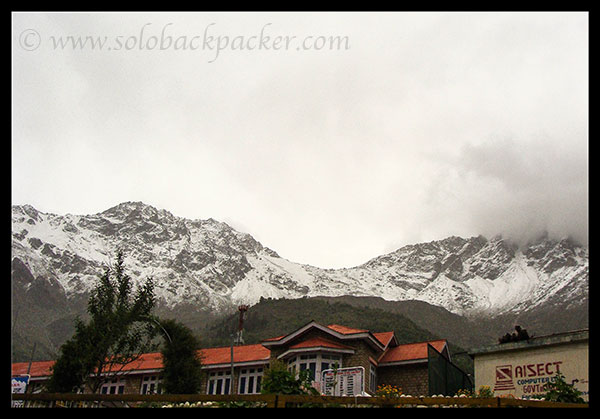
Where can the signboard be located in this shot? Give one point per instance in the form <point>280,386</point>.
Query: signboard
<point>19,385</point>
<point>527,373</point>
<point>344,381</point>
<point>530,379</point>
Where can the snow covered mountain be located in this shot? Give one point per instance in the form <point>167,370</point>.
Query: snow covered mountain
<point>209,264</point>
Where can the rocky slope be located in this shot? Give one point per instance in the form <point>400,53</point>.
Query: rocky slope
<point>206,263</point>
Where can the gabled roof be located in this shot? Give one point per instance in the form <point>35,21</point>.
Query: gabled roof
<point>336,331</point>
<point>319,342</point>
<point>274,339</point>
<point>410,353</point>
<point>386,338</point>
<point>345,330</point>
<point>316,344</point>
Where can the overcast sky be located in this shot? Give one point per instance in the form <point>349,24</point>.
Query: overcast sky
<point>411,127</point>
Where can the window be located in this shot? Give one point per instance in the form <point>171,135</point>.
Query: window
<point>250,379</point>
<point>151,384</point>
<point>315,364</point>
<point>373,378</point>
<point>114,386</point>
<point>219,382</point>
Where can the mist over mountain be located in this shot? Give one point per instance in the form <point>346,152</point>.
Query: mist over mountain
<point>207,266</point>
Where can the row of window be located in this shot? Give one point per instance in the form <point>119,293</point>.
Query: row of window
<point>317,363</point>
<point>114,386</point>
<point>250,378</point>
<point>219,382</point>
<point>150,385</point>
<point>249,381</point>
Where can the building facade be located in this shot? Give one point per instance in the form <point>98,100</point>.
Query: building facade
<point>377,357</point>
<point>524,368</point>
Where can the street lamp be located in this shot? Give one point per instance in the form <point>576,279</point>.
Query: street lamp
<point>160,325</point>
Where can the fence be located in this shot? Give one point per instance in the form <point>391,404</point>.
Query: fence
<point>445,377</point>
<point>273,400</point>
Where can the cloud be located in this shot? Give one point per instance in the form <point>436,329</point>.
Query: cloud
<point>517,188</point>
<point>429,125</point>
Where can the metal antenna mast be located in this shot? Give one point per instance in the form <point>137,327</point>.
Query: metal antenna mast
<point>235,341</point>
<point>239,340</point>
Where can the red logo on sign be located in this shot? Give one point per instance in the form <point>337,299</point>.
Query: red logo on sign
<point>504,378</point>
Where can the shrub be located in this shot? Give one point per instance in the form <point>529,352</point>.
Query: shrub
<point>484,392</point>
<point>278,380</point>
<point>388,391</point>
<point>464,393</point>
<point>560,391</point>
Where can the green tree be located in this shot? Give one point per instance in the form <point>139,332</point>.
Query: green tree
<point>181,362</point>
<point>119,331</point>
<point>71,369</point>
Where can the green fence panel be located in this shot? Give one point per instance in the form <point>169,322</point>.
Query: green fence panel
<point>444,377</point>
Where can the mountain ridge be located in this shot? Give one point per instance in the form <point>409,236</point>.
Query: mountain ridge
<point>207,266</point>
<point>217,265</point>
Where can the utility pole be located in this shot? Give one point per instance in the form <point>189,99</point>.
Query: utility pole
<point>15,322</point>
<point>31,358</point>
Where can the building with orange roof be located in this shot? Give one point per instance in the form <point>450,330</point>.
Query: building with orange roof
<point>379,358</point>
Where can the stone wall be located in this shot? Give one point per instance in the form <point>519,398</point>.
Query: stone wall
<point>413,379</point>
